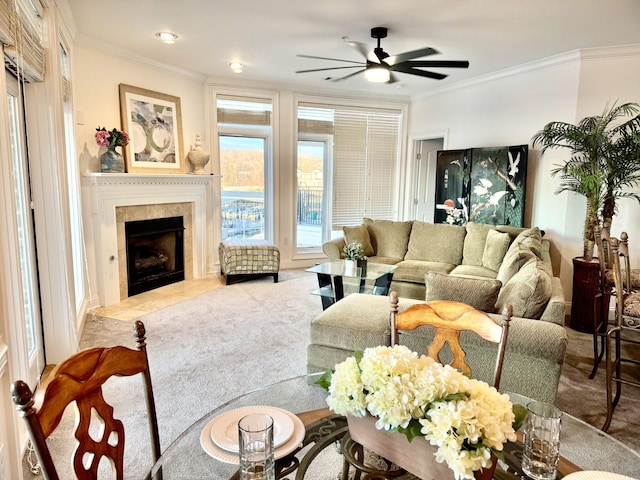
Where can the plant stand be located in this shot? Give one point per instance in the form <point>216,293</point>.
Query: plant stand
<point>586,279</point>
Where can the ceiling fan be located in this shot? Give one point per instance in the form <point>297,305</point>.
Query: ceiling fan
<point>379,65</point>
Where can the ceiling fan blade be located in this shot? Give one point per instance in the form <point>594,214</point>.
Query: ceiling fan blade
<point>436,63</point>
<point>414,71</point>
<point>360,47</point>
<point>403,57</point>
<point>332,59</point>
<point>348,76</point>
<point>330,68</point>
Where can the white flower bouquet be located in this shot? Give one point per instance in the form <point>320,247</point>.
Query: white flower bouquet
<point>466,419</point>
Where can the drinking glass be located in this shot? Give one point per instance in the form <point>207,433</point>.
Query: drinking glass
<point>255,439</point>
<point>541,441</point>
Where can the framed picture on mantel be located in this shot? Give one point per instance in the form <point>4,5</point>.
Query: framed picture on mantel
<point>154,124</point>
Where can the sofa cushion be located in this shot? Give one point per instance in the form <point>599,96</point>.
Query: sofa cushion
<point>385,260</point>
<point>479,293</point>
<point>436,242</point>
<point>473,271</point>
<point>528,291</point>
<point>354,323</point>
<point>414,270</point>
<point>515,258</point>
<point>389,238</point>
<point>360,234</point>
<point>474,243</point>
<point>495,249</point>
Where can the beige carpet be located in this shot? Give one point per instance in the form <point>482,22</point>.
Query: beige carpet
<point>213,347</point>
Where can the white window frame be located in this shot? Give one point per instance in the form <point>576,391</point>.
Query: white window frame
<point>272,163</point>
<point>327,184</point>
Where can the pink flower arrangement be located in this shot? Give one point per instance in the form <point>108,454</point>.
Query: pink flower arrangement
<point>113,138</point>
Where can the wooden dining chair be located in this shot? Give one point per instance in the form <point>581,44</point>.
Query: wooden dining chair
<point>449,319</point>
<point>79,380</point>
<point>627,326</point>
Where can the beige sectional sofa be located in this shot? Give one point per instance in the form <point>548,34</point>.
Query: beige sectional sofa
<point>516,257</point>
<point>482,265</point>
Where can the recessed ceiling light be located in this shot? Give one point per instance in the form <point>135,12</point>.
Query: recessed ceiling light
<point>236,67</point>
<point>167,37</point>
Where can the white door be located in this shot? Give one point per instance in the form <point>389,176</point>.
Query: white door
<point>425,175</point>
<point>31,327</point>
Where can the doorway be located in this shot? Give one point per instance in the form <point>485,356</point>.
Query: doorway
<point>29,331</point>
<point>424,189</point>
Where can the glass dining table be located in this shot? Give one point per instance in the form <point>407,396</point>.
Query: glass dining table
<point>582,446</point>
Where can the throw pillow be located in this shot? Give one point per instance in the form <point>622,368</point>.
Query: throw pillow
<point>389,238</point>
<point>495,249</point>
<point>481,294</point>
<point>532,238</point>
<point>359,234</point>
<point>528,291</point>
<point>514,259</point>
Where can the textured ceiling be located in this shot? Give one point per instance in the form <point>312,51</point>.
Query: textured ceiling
<point>267,35</point>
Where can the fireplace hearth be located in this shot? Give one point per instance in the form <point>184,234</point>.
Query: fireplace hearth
<point>155,253</point>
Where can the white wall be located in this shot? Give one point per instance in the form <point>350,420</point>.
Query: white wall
<point>607,77</point>
<point>509,108</point>
<point>96,76</point>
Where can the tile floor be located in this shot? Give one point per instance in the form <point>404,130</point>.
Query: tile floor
<point>138,305</point>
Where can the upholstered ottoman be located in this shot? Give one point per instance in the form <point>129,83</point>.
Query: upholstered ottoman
<point>246,259</point>
<point>532,365</point>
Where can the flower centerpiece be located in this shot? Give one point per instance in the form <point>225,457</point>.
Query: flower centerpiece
<point>111,161</point>
<point>465,419</point>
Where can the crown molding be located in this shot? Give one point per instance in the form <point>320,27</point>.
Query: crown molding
<point>566,58</point>
<point>89,43</point>
<point>610,52</point>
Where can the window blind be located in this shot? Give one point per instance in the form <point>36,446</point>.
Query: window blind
<point>21,33</point>
<point>365,159</point>
<point>243,111</point>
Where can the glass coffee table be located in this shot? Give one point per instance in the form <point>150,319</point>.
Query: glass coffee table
<point>337,279</point>
<point>582,446</point>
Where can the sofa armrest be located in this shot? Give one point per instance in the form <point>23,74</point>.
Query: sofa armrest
<point>554,312</point>
<point>333,248</point>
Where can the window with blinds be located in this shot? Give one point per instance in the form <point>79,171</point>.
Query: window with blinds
<point>244,141</point>
<point>365,159</point>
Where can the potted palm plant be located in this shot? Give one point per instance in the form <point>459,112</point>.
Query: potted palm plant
<point>604,166</point>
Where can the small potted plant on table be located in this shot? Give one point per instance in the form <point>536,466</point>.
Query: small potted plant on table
<point>354,252</point>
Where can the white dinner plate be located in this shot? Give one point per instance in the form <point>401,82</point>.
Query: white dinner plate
<point>224,428</point>
<point>593,475</point>
<point>230,457</point>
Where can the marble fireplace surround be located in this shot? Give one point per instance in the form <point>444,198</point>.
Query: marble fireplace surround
<point>115,198</point>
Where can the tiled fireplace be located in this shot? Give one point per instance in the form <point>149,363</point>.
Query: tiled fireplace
<point>115,199</point>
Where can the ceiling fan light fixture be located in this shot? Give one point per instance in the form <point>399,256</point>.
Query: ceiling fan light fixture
<point>377,74</point>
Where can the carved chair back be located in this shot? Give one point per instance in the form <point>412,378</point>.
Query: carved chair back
<point>79,380</point>
<point>449,319</point>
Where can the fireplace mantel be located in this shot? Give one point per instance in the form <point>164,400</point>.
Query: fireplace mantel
<point>103,192</point>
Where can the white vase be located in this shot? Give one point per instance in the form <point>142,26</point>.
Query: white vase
<point>198,157</point>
